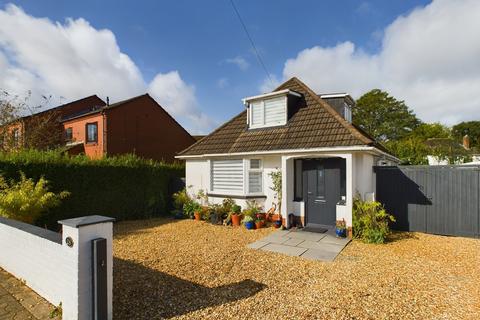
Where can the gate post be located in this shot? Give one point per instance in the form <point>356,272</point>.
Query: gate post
<point>80,236</point>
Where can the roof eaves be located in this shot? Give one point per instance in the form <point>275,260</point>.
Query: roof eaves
<point>204,139</point>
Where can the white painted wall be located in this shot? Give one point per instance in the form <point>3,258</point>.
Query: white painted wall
<point>360,178</point>
<point>198,177</point>
<point>364,175</point>
<point>57,272</point>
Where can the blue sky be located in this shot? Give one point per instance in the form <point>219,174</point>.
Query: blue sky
<point>204,42</point>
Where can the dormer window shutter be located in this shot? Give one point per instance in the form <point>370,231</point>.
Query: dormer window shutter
<point>257,113</point>
<point>269,112</point>
<point>270,109</point>
<point>275,111</point>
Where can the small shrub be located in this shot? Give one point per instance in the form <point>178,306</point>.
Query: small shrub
<point>252,209</point>
<point>206,213</point>
<point>370,221</point>
<point>227,204</point>
<point>341,224</point>
<point>56,312</point>
<point>190,207</point>
<point>236,209</point>
<point>179,199</point>
<point>25,200</point>
<point>247,219</point>
<point>202,197</point>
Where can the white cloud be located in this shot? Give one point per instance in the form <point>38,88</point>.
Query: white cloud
<point>179,100</point>
<point>269,84</point>
<point>74,59</point>
<point>239,61</point>
<point>429,58</point>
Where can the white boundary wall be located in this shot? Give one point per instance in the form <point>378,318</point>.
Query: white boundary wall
<point>56,271</point>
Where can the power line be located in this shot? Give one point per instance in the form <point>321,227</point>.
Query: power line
<point>257,54</point>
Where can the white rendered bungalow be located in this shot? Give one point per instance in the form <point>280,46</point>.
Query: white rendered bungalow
<point>325,160</point>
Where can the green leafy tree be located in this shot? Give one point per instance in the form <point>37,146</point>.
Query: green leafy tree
<point>409,150</point>
<point>432,139</point>
<point>383,116</point>
<point>472,128</point>
<point>25,200</point>
<point>427,131</point>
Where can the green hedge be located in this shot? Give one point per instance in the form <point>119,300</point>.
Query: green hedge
<point>124,187</point>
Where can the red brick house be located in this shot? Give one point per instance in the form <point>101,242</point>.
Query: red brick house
<point>138,125</point>
<point>44,129</point>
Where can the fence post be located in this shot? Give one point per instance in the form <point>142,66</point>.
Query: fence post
<point>77,236</point>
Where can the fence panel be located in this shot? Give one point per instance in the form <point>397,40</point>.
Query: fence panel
<point>433,199</point>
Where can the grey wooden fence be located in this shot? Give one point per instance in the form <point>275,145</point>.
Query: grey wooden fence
<point>432,199</point>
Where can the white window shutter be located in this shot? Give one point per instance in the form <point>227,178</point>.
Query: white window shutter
<point>227,176</point>
<point>257,113</point>
<point>275,111</point>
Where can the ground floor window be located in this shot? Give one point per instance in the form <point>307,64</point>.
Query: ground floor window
<point>255,176</point>
<point>236,176</point>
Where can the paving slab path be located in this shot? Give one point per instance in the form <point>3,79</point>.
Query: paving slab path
<point>17,301</point>
<point>309,245</point>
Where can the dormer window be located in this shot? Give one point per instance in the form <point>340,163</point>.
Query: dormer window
<point>347,112</point>
<point>341,102</point>
<point>268,110</point>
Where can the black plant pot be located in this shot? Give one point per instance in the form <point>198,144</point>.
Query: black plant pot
<point>214,218</point>
<point>178,215</point>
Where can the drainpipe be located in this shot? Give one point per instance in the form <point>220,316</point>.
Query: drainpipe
<point>104,136</point>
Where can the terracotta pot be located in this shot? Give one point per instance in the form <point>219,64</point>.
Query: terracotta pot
<point>262,223</point>
<point>236,220</point>
<point>258,225</point>
<point>275,217</point>
<point>198,216</point>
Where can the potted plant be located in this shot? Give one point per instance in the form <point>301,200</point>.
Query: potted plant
<point>277,188</point>
<point>236,210</point>
<point>261,219</point>
<point>258,223</point>
<point>180,198</point>
<point>189,208</point>
<point>197,210</point>
<point>341,228</point>
<point>248,222</point>
<point>216,214</point>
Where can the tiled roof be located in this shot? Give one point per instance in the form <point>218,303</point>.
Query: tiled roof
<point>98,109</point>
<point>316,124</point>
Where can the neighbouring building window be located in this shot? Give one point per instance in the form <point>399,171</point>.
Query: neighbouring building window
<point>268,112</point>
<point>16,137</point>
<point>298,177</point>
<point>69,134</point>
<point>255,176</point>
<point>236,176</point>
<point>92,132</point>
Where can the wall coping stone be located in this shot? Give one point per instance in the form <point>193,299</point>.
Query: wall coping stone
<point>85,221</point>
<point>37,231</point>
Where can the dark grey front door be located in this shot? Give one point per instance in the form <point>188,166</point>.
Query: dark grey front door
<point>324,185</point>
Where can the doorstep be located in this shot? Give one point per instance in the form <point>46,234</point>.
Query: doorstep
<point>309,245</point>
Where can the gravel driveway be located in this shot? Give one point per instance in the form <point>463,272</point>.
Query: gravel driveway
<point>193,270</point>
